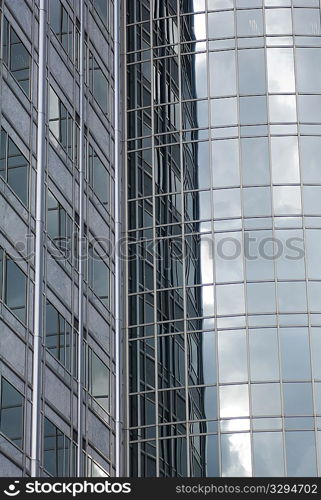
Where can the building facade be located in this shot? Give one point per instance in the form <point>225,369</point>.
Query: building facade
<point>58,354</point>
<point>160,291</point>
<point>223,128</point>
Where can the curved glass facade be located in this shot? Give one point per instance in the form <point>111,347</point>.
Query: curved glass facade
<point>224,232</point>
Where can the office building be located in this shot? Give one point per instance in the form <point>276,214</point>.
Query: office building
<point>160,293</point>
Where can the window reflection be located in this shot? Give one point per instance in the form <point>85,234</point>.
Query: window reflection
<point>278,21</point>
<point>268,454</point>
<point>236,455</point>
<point>234,401</point>
<point>264,359</point>
<point>266,400</point>
<point>295,353</point>
<point>297,399</point>
<point>14,167</point>
<point>300,454</point>
<point>11,413</point>
<point>249,23</point>
<point>223,73</point>
<point>232,356</point>
<point>280,65</point>
<point>251,71</point>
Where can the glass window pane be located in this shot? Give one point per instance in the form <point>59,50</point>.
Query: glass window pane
<point>236,455</point>
<point>309,108</point>
<point>264,359</point>
<point>223,112</point>
<point>313,249</point>
<point>227,203</point>
<point>268,454</point>
<point>278,21</point>
<point>308,69</point>
<point>266,400</point>
<point>261,298</point>
<point>292,297</point>
<point>249,23</point>
<point>291,264</point>
<point>100,382</point>
<point>232,356</point>
<point>306,21</point>
<point>300,454</point>
<point>230,299</point>
<point>295,353</point>
<point>228,257</point>
<point>311,200</point>
<point>225,163</point>
<point>310,154</point>
<point>11,413</point>
<point>223,73</point>
<point>297,399</point>
<point>287,200</point>
<point>234,401</point>
<point>220,24</point>
<point>15,290</point>
<point>280,65</point>
<point>285,160</point>
<point>314,288</point>
<point>259,251</point>
<point>251,71</point>
<point>282,108</point>
<point>253,110</point>
<point>257,201</point>
<point>315,352</point>
<point>255,161</point>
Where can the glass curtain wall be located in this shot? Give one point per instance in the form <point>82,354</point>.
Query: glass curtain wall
<point>224,231</point>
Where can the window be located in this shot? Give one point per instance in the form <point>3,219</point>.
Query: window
<point>251,71</point>
<point>308,69</point>
<point>16,57</point>
<point>268,454</point>
<point>255,161</point>
<point>278,21</point>
<point>253,110</point>
<point>234,401</point>
<point>223,73</point>
<point>249,23</point>
<point>61,124</point>
<point>59,453</point>
<point>98,83</point>
<point>266,400</point>
<point>236,455</point>
<point>264,360</point>
<point>102,7</point>
<point>14,286</point>
<point>11,413</point>
<point>59,226</point>
<point>301,453</point>
<point>63,27</point>
<point>14,167</point>
<point>220,24</point>
<point>94,470</point>
<point>295,353</point>
<point>280,65</point>
<point>59,338</point>
<point>99,178</point>
<point>99,380</point>
<point>232,356</point>
<point>98,276</point>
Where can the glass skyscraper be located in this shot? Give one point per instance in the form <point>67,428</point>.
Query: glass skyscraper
<point>224,291</point>
<point>160,234</point>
